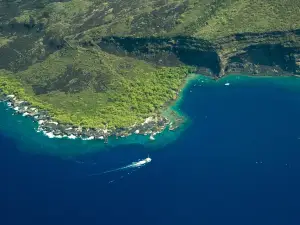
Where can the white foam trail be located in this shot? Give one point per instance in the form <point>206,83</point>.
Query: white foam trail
<point>132,165</point>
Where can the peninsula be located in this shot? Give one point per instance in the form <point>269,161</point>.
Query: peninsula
<point>96,68</point>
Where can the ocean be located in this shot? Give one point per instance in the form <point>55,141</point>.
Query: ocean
<point>236,162</point>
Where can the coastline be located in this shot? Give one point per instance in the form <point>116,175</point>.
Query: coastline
<point>52,129</point>
<point>178,121</point>
<point>168,118</point>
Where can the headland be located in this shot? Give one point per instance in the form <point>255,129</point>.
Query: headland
<point>95,69</point>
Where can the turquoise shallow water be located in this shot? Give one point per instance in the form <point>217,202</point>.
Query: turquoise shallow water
<point>235,162</point>
<point>24,129</point>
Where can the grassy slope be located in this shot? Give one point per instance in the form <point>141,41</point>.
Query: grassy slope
<point>200,18</point>
<point>252,16</point>
<point>89,87</point>
<point>95,89</point>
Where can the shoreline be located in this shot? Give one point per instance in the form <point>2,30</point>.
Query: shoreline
<point>50,128</point>
<point>53,129</point>
<point>169,118</point>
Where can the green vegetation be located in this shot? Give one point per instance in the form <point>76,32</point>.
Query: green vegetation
<point>10,85</point>
<point>4,41</point>
<point>52,54</point>
<point>254,16</point>
<point>75,88</point>
<point>200,18</point>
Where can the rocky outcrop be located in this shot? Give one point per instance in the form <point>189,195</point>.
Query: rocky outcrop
<point>296,58</point>
<point>274,53</point>
<point>166,51</point>
<point>53,129</point>
<point>265,59</point>
<point>271,53</point>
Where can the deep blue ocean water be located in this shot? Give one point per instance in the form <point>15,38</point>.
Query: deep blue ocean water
<point>236,163</point>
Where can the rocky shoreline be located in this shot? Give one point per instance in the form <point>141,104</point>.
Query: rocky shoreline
<point>53,129</point>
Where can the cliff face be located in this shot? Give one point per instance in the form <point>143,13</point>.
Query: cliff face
<point>173,51</point>
<point>272,53</point>
<point>265,59</point>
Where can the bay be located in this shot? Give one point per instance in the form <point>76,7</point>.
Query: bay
<point>235,162</point>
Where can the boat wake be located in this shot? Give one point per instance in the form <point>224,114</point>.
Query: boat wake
<point>135,166</point>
